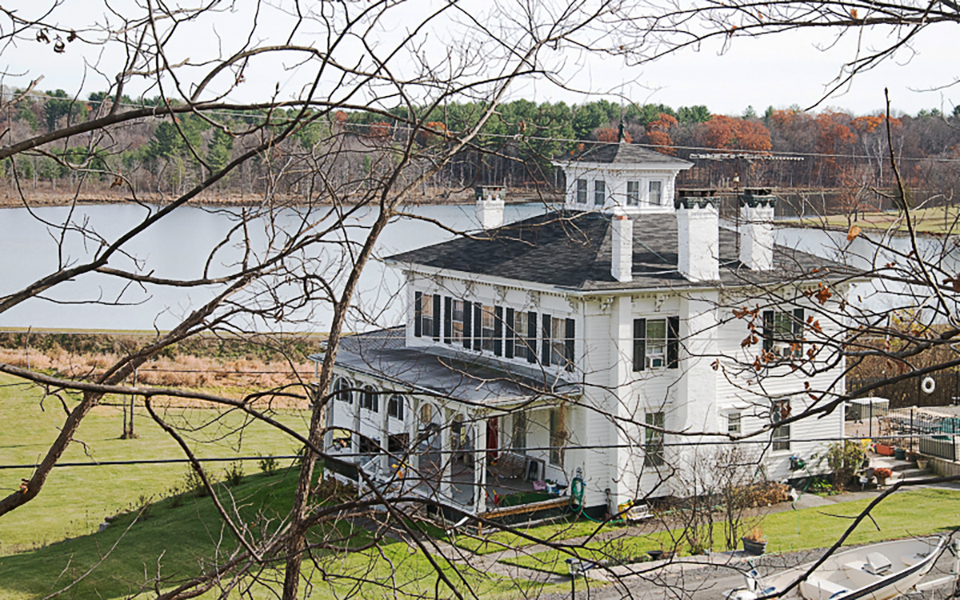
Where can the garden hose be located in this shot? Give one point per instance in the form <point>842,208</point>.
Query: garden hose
<point>577,488</point>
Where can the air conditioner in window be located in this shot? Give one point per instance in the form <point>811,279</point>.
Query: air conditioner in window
<point>783,349</point>
<point>655,362</point>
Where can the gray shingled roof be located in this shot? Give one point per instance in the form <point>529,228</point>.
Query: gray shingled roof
<point>442,370</point>
<point>572,250</point>
<point>624,154</point>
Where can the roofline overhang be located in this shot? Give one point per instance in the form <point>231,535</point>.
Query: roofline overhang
<point>565,291</point>
<point>652,166</point>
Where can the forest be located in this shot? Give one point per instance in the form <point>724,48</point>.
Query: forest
<point>825,152</point>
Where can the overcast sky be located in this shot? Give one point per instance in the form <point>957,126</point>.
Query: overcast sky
<point>780,71</point>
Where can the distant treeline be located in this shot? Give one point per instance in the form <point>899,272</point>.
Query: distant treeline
<point>786,148</point>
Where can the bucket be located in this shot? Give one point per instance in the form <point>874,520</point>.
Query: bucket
<point>900,453</point>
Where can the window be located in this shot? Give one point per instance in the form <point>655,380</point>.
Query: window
<point>656,193</point>
<point>395,406</point>
<point>733,423</point>
<point>426,315</point>
<point>341,390</point>
<point>783,332</point>
<point>561,343</point>
<point>656,343</point>
<point>520,432</point>
<point>369,400</point>
<point>558,434</point>
<point>599,192</point>
<point>653,438</point>
<point>456,320</point>
<point>581,191</point>
<point>488,321</point>
<point>633,193</point>
<point>520,333</point>
<point>780,437</point>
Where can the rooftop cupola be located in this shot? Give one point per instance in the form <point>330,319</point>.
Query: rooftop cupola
<point>489,206</point>
<point>698,236</point>
<point>756,229</point>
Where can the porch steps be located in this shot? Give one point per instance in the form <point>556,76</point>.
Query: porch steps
<point>545,507</point>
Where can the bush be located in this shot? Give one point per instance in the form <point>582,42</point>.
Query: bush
<point>268,464</point>
<point>194,483</point>
<point>844,459</point>
<point>235,473</point>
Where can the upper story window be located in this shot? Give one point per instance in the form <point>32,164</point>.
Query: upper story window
<point>599,192</point>
<point>783,332</point>
<point>426,315</point>
<point>655,190</point>
<point>523,332</point>
<point>656,343</point>
<point>633,193</point>
<point>581,191</point>
<point>395,406</point>
<point>734,423</point>
<point>780,411</point>
<point>488,328</point>
<point>454,331</point>
<point>369,399</point>
<point>558,342</point>
<point>341,390</point>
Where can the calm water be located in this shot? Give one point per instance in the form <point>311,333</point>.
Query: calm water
<point>177,247</point>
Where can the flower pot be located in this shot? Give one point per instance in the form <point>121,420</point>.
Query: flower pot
<point>900,453</point>
<point>922,464</point>
<point>660,554</point>
<point>754,547</point>
<point>883,450</point>
<point>881,481</point>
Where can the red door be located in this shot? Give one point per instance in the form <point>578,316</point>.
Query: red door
<point>493,437</point>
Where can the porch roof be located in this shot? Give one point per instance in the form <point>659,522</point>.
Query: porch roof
<point>445,371</point>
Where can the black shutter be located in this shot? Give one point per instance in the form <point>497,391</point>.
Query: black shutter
<point>448,319</point>
<point>545,359</point>
<point>570,335</point>
<point>498,331</point>
<point>478,327</point>
<point>768,330</point>
<point>436,317</point>
<point>673,342</point>
<point>508,350</point>
<point>798,331</point>
<point>417,314</point>
<point>639,344</point>
<point>531,337</point>
<point>467,324</point>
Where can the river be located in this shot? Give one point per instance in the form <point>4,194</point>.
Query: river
<point>177,246</point>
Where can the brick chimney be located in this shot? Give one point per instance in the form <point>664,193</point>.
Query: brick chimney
<point>489,206</point>
<point>756,229</point>
<point>698,237</point>
<point>621,262</point>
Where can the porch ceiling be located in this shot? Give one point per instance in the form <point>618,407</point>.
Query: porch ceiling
<point>446,372</point>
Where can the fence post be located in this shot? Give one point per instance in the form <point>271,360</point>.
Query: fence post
<point>911,428</point>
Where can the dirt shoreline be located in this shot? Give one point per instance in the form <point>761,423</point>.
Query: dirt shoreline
<point>47,197</point>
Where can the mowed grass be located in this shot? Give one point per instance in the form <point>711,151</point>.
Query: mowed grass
<point>916,512</point>
<point>75,500</point>
<point>925,220</point>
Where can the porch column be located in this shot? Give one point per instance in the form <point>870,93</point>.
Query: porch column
<point>355,444</point>
<point>412,456</point>
<point>385,459</point>
<point>446,456</point>
<point>331,418</point>
<point>480,465</point>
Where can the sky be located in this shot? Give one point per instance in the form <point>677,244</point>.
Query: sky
<point>788,69</point>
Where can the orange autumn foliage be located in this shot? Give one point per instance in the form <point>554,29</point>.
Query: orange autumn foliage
<point>740,134</point>
<point>658,133</point>
<point>609,135</point>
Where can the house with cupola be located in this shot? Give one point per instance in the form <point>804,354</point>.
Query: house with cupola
<point>595,349</point>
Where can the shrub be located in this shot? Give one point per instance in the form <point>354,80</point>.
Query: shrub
<point>882,473</point>
<point>235,473</point>
<point>194,483</point>
<point>754,535</point>
<point>844,459</point>
<point>268,464</point>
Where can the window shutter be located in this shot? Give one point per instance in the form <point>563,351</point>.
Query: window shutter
<point>511,334</point>
<point>673,342</point>
<point>570,334</point>
<point>436,317</point>
<point>531,337</point>
<point>639,344</point>
<point>798,331</point>
<point>417,314</point>
<point>467,324</point>
<point>447,319</point>
<point>498,331</point>
<point>768,330</point>
<point>478,327</point>
<point>545,359</point>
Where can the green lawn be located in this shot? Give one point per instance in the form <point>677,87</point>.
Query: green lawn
<point>925,220</point>
<point>917,512</point>
<point>494,542</point>
<point>75,500</point>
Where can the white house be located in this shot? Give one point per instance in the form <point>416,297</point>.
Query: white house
<point>603,341</point>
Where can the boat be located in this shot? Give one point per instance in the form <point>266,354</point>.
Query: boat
<point>875,572</point>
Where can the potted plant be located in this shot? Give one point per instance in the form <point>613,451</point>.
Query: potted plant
<point>922,462</point>
<point>882,474</point>
<point>754,542</point>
